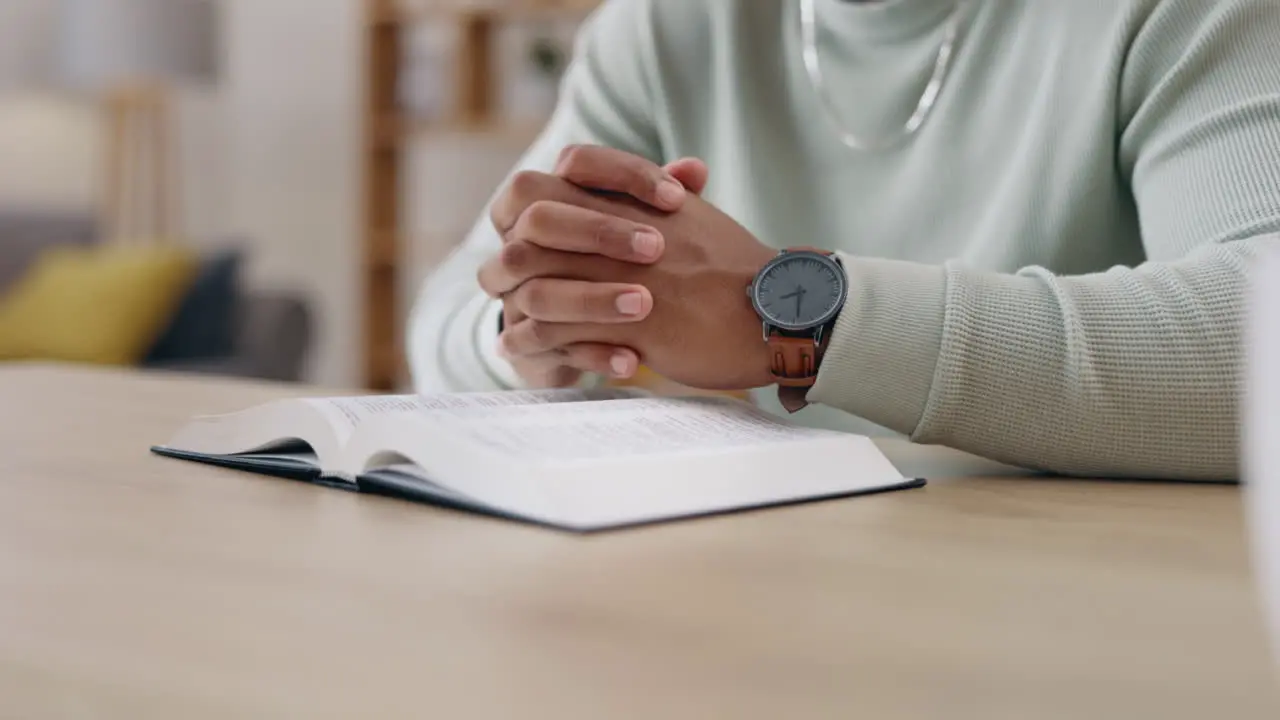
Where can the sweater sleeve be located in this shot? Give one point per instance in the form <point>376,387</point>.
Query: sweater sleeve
<point>606,99</point>
<point>1132,372</point>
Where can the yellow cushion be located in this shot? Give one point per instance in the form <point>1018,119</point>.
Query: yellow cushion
<point>103,305</point>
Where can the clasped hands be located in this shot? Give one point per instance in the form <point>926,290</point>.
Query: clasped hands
<point>612,262</point>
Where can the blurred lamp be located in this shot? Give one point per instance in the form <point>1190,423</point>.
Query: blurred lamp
<point>1262,438</point>
<point>134,53</point>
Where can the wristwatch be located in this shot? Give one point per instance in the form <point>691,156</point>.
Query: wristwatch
<point>798,296</point>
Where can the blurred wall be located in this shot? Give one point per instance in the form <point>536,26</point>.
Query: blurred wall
<point>51,142</point>
<point>25,54</point>
<point>49,150</point>
<point>272,155</point>
<point>293,111</point>
<point>48,146</point>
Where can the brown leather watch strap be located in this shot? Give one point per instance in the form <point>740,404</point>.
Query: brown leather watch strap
<point>793,399</point>
<point>795,362</point>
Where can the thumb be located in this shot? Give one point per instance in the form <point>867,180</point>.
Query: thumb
<point>690,172</point>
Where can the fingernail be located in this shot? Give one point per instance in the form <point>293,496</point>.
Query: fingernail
<point>646,243</point>
<point>620,363</point>
<point>631,303</point>
<point>670,192</point>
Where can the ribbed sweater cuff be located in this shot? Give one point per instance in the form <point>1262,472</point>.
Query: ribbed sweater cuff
<point>884,350</point>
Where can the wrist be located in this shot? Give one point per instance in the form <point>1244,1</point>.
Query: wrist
<point>759,362</point>
<point>798,295</point>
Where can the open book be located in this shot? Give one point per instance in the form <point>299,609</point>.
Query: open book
<point>573,459</point>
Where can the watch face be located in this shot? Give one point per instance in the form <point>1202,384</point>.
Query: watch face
<point>799,291</point>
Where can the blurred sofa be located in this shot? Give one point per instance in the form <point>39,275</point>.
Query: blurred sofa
<point>220,328</point>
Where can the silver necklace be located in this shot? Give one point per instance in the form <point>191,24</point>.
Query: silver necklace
<point>813,66</point>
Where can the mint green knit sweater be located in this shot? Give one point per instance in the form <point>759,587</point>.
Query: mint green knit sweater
<point>1050,274</point>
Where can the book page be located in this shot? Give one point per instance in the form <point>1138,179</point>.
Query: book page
<point>345,414</point>
<point>595,465</point>
<point>610,430</point>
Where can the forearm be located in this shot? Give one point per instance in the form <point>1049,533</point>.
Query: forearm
<point>1128,373</point>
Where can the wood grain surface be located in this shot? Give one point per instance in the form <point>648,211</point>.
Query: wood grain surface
<point>137,587</point>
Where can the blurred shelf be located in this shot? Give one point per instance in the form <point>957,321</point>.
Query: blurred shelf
<point>385,248</point>
<point>389,250</point>
<point>383,251</point>
<point>393,369</point>
<point>391,132</point>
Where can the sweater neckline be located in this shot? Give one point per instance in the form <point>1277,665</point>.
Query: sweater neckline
<point>884,20</point>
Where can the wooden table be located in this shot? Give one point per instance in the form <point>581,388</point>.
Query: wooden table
<point>132,587</point>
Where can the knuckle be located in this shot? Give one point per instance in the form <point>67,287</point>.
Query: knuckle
<point>657,179</point>
<point>641,174</point>
<point>524,183</point>
<point>516,256</point>
<point>487,278</point>
<point>535,298</point>
<point>538,217</point>
<point>570,157</point>
<point>603,233</point>
<point>646,177</point>
<point>588,357</point>
<point>541,333</point>
<point>596,305</point>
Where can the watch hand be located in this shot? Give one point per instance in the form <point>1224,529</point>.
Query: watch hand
<point>788,296</point>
